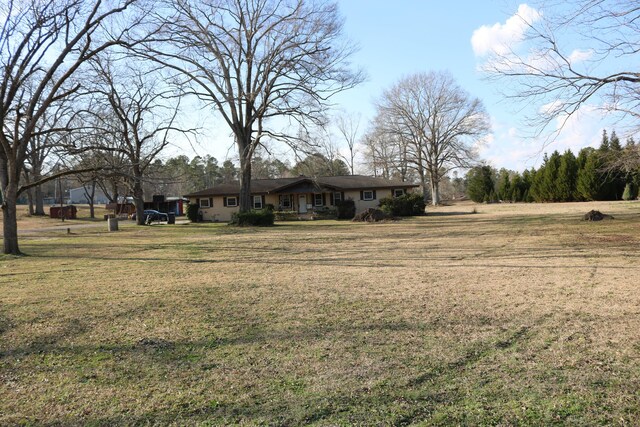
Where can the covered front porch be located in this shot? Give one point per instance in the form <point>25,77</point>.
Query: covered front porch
<point>305,198</point>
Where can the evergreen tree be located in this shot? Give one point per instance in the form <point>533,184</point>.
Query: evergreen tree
<point>614,142</point>
<point>517,188</point>
<point>229,172</point>
<point>527,180</point>
<point>604,144</point>
<point>504,186</point>
<point>480,183</point>
<point>617,176</point>
<point>550,178</point>
<point>567,176</point>
<point>536,190</point>
<point>589,182</point>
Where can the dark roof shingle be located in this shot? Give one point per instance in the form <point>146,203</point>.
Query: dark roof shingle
<point>265,186</point>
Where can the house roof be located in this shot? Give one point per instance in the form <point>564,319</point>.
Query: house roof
<point>335,183</point>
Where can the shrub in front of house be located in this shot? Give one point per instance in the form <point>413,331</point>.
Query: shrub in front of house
<point>286,215</point>
<point>258,218</point>
<point>325,213</point>
<point>345,209</point>
<point>405,205</point>
<point>192,212</point>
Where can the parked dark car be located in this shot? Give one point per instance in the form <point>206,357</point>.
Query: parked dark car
<point>152,215</point>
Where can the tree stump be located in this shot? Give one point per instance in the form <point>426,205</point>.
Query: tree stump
<point>594,215</point>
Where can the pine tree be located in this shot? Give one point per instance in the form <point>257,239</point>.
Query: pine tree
<point>504,186</point>
<point>616,175</point>
<point>614,142</point>
<point>527,179</point>
<point>550,191</point>
<point>609,183</point>
<point>516,188</point>
<point>567,176</point>
<point>480,183</point>
<point>536,190</point>
<point>588,184</point>
<point>604,144</point>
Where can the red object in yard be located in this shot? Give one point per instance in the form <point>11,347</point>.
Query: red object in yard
<point>69,212</point>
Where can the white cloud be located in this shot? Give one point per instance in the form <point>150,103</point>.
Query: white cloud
<point>580,56</point>
<point>512,147</point>
<point>582,129</point>
<point>500,38</point>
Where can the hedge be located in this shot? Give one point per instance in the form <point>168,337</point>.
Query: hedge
<point>405,205</point>
<point>192,212</point>
<point>259,218</point>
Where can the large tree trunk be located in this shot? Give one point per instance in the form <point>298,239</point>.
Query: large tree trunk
<point>435,192</point>
<point>245,187</point>
<point>30,202</point>
<point>10,220</point>
<point>245,175</point>
<point>90,198</point>
<point>29,193</point>
<point>39,201</point>
<point>138,199</point>
<point>425,185</point>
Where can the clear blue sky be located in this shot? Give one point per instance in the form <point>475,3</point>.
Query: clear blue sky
<point>407,36</point>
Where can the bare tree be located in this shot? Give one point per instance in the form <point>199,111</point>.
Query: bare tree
<point>97,169</point>
<point>437,122</point>
<point>41,145</point>
<point>376,154</point>
<point>387,153</point>
<point>254,61</point>
<point>42,47</point>
<point>348,125</point>
<point>136,114</point>
<point>558,75</point>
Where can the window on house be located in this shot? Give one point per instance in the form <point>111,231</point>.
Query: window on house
<point>232,201</point>
<point>257,202</point>
<point>337,197</point>
<point>398,192</point>
<point>317,199</point>
<point>285,201</point>
<point>367,195</point>
<point>204,203</point>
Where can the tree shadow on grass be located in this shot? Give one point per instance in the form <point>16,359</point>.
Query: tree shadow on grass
<point>425,390</point>
<point>286,407</point>
<point>448,213</point>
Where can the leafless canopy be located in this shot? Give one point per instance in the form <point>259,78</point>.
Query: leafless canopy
<point>574,52</point>
<point>348,126</point>
<point>256,60</point>
<point>133,113</point>
<point>42,46</point>
<point>435,123</point>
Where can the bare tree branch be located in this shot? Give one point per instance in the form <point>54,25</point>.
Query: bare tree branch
<point>253,61</point>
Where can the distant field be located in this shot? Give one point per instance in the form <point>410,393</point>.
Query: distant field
<point>514,315</point>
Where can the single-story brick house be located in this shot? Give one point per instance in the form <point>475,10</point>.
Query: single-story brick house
<point>301,194</point>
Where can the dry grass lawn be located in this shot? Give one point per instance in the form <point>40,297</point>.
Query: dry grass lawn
<point>516,315</point>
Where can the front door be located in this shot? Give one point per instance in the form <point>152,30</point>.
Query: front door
<point>302,203</point>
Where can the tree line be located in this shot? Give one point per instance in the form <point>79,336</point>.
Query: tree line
<point>90,87</point>
<point>609,172</point>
